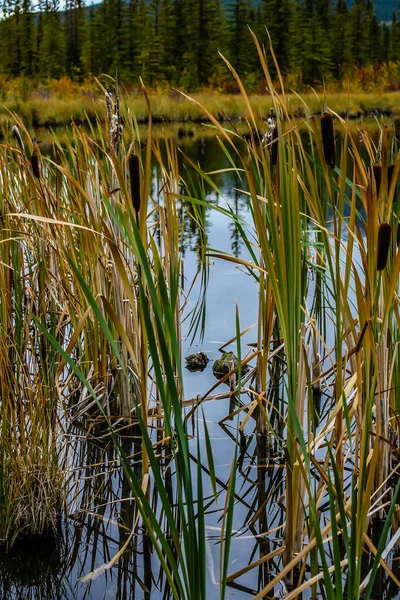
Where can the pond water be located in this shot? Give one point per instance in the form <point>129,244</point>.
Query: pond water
<point>99,523</point>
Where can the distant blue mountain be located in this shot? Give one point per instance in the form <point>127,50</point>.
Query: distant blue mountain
<point>384,9</point>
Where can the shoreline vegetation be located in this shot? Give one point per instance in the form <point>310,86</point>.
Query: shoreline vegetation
<point>175,108</point>
<point>65,103</point>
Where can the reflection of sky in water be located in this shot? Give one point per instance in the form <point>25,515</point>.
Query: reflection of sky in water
<point>228,285</point>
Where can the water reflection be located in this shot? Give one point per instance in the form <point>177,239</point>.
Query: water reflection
<point>104,519</point>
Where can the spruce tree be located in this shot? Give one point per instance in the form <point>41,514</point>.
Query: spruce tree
<point>277,16</point>
<point>75,20</point>
<point>28,48</point>
<point>203,20</point>
<point>51,46</point>
<point>340,40</point>
<point>238,36</point>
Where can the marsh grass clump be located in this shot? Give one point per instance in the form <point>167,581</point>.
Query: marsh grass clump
<point>38,499</point>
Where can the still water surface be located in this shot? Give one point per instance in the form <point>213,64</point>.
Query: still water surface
<point>98,524</point>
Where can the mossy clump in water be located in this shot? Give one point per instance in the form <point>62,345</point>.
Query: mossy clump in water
<point>197,362</point>
<point>225,364</point>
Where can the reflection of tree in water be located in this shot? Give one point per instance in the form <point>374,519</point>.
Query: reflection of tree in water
<point>206,154</point>
<point>238,206</point>
<point>36,569</point>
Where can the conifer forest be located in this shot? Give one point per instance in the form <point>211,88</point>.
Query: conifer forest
<point>177,41</point>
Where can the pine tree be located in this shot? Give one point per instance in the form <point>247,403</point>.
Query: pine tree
<point>277,17</point>
<point>373,35</point>
<point>241,15</point>
<point>51,45</point>
<point>136,40</point>
<point>358,32</point>
<point>89,56</point>
<point>311,52</point>
<point>11,41</point>
<point>75,34</point>
<point>394,46</point>
<point>202,41</point>
<point>162,32</point>
<point>340,41</point>
<point>238,34</point>
<point>28,48</point>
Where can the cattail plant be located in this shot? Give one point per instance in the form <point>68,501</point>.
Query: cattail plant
<point>328,138</point>
<point>377,170</point>
<point>35,163</point>
<point>384,237</point>
<point>17,136</point>
<point>134,174</point>
<point>271,138</point>
<point>390,174</point>
<point>377,167</point>
<point>274,147</point>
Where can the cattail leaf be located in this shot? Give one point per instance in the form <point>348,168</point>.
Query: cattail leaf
<point>384,238</point>
<point>390,174</point>
<point>377,169</point>
<point>328,139</point>
<point>134,173</point>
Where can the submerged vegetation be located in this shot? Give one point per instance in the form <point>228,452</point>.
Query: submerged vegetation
<point>94,419</point>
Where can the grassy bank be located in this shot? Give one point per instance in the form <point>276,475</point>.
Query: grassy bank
<point>56,109</point>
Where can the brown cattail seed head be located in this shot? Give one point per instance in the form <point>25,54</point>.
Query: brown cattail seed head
<point>274,146</point>
<point>384,238</point>
<point>134,173</point>
<point>328,139</point>
<point>377,169</point>
<point>35,164</point>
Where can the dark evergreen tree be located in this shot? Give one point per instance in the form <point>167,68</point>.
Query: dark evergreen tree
<point>51,44</point>
<point>203,38</point>
<point>75,20</point>
<point>311,49</point>
<point>340,39</point>
<point>394,46</point>
<point>238,35</point>
<point>373,35</point>
<point>28,48</point>
<point>277,17</point>
<point>90,50</point>
<point>358,33</point>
